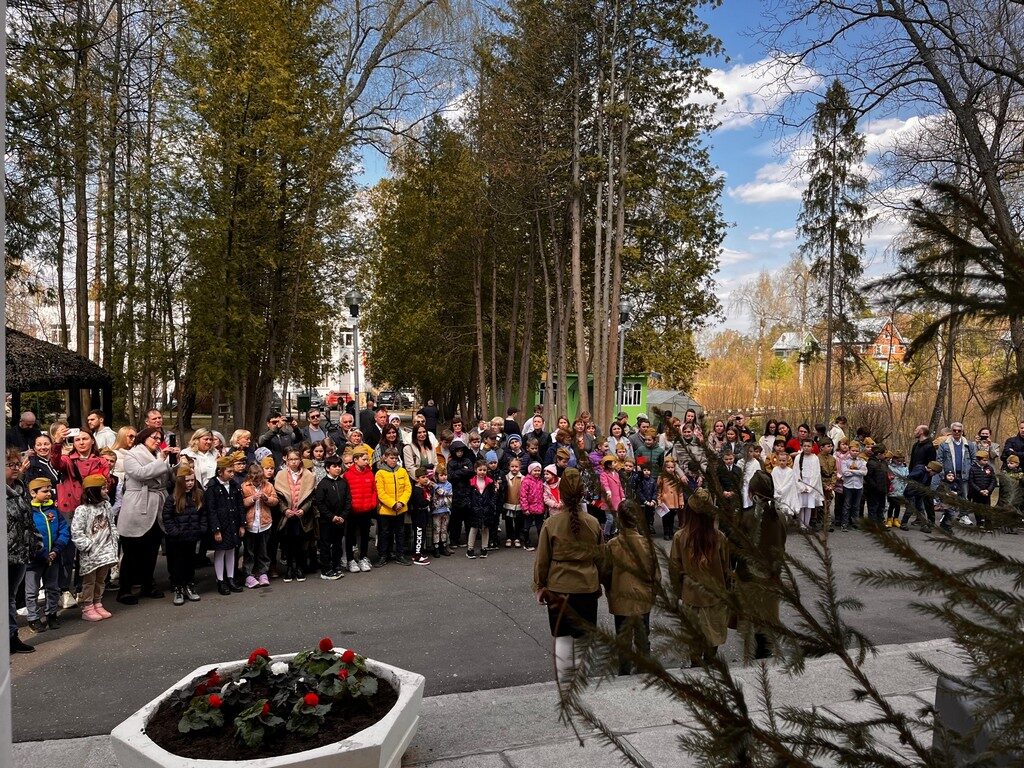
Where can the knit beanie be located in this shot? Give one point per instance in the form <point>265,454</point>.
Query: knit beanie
<point>490,456</point>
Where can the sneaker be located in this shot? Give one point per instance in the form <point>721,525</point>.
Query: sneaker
<point>251,582</point>
<point>191,594</point>
<point>471,554</point>
<point>67,600</point>
<point>508,543</point>
<point>364,565</point>
<point>23,611</point>
<point>263,580</point>
<point>421,560</point>
<point>529,548</point>
<point>89,614</point>
<point>897,524</point>
<point>37,626</point>
<point>52,622</point>
<point>888,523</point>
<point>517,544</point>
<point>483,552</point>
<point>103,612</point>
<point>403,560</point>
<point>380,562</point>
<point>845,529</point>
<point>300,575</point>
<point>128,599</point>
<point>353,566</point>
<point>18,646</point>
<point>288,576</point>
<point>179,598</point>
<point>331,575</point>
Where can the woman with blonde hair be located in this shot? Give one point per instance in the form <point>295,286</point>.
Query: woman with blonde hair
<point>201,454</point>
<point>125,442</point>
<point>241,440</point>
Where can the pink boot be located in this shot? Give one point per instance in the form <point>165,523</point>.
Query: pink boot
<point>103,612</point>
<point>89,613</point>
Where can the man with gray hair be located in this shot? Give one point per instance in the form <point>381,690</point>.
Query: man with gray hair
<point>956,454</point>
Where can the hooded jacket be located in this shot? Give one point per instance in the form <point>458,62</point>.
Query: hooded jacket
<point>460,470</point>
<point>531,495</point>
<point>51,529</point>
<point>21,539</point>
<point>362,490</point>
<point>393,487</point>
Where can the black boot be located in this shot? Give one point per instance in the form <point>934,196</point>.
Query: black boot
<point>233,585</point>
<point>223,588</point>
<point>17,646</point>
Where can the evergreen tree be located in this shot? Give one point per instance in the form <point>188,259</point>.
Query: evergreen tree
<point>833,220</point>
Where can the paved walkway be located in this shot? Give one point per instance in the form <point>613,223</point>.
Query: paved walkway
<point>518,727</point>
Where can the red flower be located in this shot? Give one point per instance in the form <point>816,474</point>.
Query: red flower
<point>257,653</point>
<point>311,699</point>
<point>266,709</point>
<point>348,656</point>
<point>213,679</point>
<point>326,644</point>
<point>215,701</point>
<point>201,689</point>
<point>343,674</point>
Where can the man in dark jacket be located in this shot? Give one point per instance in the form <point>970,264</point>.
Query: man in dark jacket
<point>431,414</point>
<point>923,451</point>
<point>920,482</point>
<point>373,433</point>
<point>23,437</point>
<point>278,438</point>
<point>538,433</point>
<point>366,414</point>
<point>876,485</point>
<point>332,502</point>
<point>1014,446</point>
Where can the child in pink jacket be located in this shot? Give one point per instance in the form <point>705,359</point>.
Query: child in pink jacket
<point>531,501</point>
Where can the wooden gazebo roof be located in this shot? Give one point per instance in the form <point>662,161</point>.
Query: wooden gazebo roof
<point>34,365</point>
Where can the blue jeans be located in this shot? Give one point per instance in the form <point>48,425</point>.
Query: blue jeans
<point>851,504</point>
<point>15,575</point>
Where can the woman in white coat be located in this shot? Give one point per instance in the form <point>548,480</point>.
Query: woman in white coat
<point>807,474</point>
<point>147,472</point>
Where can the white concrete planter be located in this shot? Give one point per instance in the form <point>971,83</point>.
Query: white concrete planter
<point>379,746</point>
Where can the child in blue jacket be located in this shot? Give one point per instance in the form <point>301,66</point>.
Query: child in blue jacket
<point>54,533</point>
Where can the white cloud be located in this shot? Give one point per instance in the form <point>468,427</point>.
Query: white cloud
<point>731,256</point>
<point>777,237</point>
<point>752,91</point>
<point>773,182</point>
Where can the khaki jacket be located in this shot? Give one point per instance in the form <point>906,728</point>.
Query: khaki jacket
<point>564,563</point>
<point>629,572</point>
<point>249,499</point>
<point>697,578</point>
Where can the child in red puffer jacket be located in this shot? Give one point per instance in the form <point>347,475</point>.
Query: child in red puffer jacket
<point>364,504</point>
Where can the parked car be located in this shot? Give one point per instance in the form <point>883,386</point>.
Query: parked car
<point>392,399</point>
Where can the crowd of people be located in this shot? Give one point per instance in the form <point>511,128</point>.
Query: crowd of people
<point>89,509</point>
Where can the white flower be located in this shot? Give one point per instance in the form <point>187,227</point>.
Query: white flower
<point>279,668</point>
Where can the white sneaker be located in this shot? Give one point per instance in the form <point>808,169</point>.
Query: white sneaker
<point>364,565</point>
<point>67,600</point>
<point>23,611</point>
<point>353,566</point>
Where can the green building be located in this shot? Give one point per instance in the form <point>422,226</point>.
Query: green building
<point>634,396</point>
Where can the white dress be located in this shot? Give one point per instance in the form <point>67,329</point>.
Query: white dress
<point>785,490</point>
<point>807,470</point>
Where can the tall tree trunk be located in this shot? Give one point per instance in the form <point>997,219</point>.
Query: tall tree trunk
<point>481,402</point>
<point>510,358</point>
<point>80,164</point>
<point>495,405</point>
<point>113,126</point>
<point>522,399</point>
<point>830,303</point>
<point>549,301</point>
<point>98,264</point>
<point>576,224</point>
<point>62,301</point>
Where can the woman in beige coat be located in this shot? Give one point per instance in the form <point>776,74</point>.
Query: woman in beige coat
<point>147,472</point>
<point>700,565</point>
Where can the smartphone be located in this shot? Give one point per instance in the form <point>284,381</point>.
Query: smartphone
<point>72,434</point>
<point>172,440</point>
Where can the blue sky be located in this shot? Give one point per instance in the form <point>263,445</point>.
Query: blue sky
<point>759,159</point>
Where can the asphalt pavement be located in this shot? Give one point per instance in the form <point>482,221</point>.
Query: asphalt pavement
<point>465,624</point>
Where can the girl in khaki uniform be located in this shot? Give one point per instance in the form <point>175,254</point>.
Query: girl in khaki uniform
<point>565,573</point>
<point>699,562</point>
<point>630,572</point>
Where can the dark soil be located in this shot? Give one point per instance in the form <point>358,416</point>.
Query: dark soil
<point>347,717</point>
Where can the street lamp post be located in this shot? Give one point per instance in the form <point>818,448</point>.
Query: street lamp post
<point>623,327</point>
<point>354,299</point>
